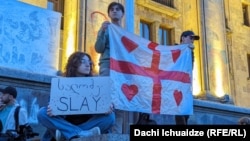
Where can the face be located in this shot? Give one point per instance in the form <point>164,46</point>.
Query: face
<point>187,39</point>
<point>84,68</point>
<point>115,13</point>
<point>5,98</point>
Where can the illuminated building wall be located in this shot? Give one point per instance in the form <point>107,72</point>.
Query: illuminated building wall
<point>220,55</point>
<point>215,49</point>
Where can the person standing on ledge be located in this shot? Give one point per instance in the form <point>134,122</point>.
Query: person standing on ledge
<point>187,37</point>
<point>115,13</point>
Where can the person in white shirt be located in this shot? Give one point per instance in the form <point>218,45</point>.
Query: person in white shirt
<point>8,104</point>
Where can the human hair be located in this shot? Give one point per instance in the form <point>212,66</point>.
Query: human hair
<point>244,121</point>
<point>189,33</point>
<point>112,4</point>
<point>74,61</point>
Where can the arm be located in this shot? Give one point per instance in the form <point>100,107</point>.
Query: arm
<point>101,38</point>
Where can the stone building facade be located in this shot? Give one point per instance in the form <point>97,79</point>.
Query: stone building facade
<point>222,55</point>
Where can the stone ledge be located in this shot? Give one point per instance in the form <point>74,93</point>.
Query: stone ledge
<point>106,137</point>
<point>220,107</point>
<point>25,75</point>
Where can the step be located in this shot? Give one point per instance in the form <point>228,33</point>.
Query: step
<point>105,137</point>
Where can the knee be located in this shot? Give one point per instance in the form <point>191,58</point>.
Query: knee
<point>111,118</point>
<point>42,114</point>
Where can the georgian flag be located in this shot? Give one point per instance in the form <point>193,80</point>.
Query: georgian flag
<point>147,77</point>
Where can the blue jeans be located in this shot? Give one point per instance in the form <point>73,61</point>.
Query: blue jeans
<point>68,130</point>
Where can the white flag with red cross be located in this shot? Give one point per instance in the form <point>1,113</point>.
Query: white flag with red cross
<point>147,77</point>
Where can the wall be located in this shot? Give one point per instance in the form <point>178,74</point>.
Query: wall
<point>238,44</point>
<point>190,17</point>
<point>32,91</point>
<point>39,3</point>
<point>29,37</point>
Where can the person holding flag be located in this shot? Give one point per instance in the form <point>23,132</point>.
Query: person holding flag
<point>115,13</point>
<point>187,37</point>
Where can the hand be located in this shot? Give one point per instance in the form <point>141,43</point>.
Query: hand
<point>191,46</point>
<point>49,111</point>
<point>105,25</point>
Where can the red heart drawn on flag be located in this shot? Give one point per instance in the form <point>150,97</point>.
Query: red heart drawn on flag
<point>130,91</point>
<point>129,44</point>
<point>178,97</point>
<point>175,54</point>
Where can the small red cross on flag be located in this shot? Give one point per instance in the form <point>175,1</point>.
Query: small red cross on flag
<point>147,77</point>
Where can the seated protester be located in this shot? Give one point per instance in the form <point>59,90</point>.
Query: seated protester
<point>76,126</point>
<point>8,105</point>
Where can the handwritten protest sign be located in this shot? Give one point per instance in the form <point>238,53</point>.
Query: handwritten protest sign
<point>80,95</point>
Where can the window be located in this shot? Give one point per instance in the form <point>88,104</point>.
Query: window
<point>164,36</point>
<point>245,9</point>
<point>248,61</point>
<point>58,5</point>
<point>169,3</point>
<point>145,30</point>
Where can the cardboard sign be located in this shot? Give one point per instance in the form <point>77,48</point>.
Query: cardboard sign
<point>80,95</point>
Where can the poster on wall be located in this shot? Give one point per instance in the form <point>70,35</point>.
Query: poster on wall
<point>29,38</point>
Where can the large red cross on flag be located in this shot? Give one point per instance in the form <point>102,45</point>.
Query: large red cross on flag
<point>147,77</point>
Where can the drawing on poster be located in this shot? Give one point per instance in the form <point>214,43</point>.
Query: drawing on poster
<point>29,38</point>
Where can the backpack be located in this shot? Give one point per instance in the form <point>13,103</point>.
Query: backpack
<point>24,131</point>
<point>21,132</point>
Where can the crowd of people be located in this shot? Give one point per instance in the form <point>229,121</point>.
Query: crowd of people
<point>80,64</point>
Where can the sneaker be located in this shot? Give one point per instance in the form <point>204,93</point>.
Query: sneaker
<point>91,132</point>
<point>58,135</point>
<point>95,131</point>
<point>88,133</point>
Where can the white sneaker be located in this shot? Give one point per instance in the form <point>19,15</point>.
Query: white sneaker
<point>58,135</point>
<point>87,133</point>
<point>92,132</point>
<point>95,131</point>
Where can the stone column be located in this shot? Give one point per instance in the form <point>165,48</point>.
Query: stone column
<point>155,27</point>
<point>215,52</point>
<point>69,35</point>
<point>129,15</point>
